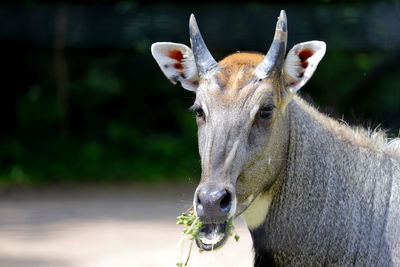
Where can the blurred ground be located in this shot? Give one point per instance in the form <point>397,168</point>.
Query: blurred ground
<point>132,225</point>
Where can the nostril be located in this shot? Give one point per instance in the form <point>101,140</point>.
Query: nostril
<point>211,202</point>
<point>225,201</point>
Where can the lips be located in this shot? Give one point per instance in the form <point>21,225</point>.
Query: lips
<point>212,236</point>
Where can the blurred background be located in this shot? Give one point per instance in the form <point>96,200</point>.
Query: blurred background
<point>92,132</point>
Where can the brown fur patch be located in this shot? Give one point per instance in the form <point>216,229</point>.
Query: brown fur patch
<point>236,72</point>
<point>237,69</point>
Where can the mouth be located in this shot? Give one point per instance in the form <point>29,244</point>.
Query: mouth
<point>212,236</point>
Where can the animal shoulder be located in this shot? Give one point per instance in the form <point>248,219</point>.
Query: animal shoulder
<point>373,139</point>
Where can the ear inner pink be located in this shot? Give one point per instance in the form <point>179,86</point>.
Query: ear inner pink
<point>176,54</point>
<point>304,55</point>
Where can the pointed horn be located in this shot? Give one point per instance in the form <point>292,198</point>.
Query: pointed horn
<point>204,60</point>
<point>273,61</point>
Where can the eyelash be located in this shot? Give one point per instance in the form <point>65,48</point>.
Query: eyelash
<point>265,112</point>
<point>198,110</point>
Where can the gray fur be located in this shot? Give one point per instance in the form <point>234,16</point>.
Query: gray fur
<point>338,203</point>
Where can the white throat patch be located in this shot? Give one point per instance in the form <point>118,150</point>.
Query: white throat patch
<point>256,213</point>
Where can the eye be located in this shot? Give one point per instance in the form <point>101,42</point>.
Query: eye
<point>198,110</point>
<point>265,112</point>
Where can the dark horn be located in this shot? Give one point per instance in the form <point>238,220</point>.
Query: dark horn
<point>273,61</point>
<point>204,60</point>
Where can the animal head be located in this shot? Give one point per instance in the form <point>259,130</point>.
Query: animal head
<point>240,112</point>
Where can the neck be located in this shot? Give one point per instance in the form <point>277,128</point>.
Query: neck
<point>332,195</point>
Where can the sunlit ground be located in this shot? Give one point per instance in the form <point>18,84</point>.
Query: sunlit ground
<point>104,226</point>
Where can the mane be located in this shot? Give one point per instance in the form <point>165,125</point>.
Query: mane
<point>379,138</point>
<point>374,139</point>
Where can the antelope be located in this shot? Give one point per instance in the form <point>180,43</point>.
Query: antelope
<point>313,191</point>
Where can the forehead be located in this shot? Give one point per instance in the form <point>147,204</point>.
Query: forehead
<point>237,70</point>
<point>234,80</point>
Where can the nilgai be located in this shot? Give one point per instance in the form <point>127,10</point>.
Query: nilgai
<point>312,190</point>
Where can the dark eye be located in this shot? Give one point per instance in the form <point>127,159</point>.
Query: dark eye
<point>266,112</point>
<point>199,112</point>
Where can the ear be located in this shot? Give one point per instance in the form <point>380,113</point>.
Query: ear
<point>177,63</point>
<point>301,62</point>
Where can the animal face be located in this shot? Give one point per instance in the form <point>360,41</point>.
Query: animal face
<point>236,114</point>
<point>242,124</point>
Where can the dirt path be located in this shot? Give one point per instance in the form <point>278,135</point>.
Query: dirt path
<point>103,226</point>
